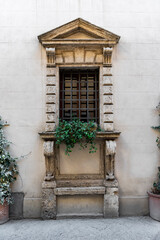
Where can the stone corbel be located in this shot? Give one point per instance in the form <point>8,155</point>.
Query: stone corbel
<point>109,159</point>
<point>50,56</point>
<point>107,56</point>
<point>49,160</point>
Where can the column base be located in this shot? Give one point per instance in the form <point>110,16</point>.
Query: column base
<point>111,200</point>
<point>48,200</point>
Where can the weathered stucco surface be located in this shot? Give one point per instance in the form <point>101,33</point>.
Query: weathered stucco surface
<point>136,73</point>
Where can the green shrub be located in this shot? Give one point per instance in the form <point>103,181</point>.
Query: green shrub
<point>156,185</point>
<point>8,168</point>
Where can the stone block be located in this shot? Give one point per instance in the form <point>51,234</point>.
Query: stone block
<point>51,99</point>
<point>79,55</point>
<point>99,58</point>
<point>68,57</point>
<point>48,204</point>
<point>107,70</point>
<point>108,99</point>
<point>51,90</point>
<point>49,184</point>
<point>79,191</point>
<point>112,191</point>
<point>89,56</point>
<point>50,108</point>
<point>59,58</point>
<point>50,127</point>
<point>108,117</point>
<point>51,71</point>
<point>108,108</point>
<point>50,117</point>
<point>111,184</point>
<point>51,80</point>
<point>16,209</point>
<point>111,206</point>
<point>108,80</point>
<point>108,127</point>
<point>107,90</point>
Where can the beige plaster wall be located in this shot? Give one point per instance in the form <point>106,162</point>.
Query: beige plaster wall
<point>136,70</point>
<point>80,161</point>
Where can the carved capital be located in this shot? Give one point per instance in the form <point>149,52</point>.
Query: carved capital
<point>109,159</point>
<point>50,55</point>
<point>107,55</point>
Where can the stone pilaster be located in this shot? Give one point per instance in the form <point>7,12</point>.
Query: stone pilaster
<point>50,90</point>
<point>111,198</point>
<point>107,89</point>
<point>49,184</point>
<point>48,200</point>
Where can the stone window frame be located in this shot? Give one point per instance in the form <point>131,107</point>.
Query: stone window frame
<point>63,51</point>
<point>93,49</point>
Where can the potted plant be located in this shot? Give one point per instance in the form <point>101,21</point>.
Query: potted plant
<point>154,195</point>
<point>76,131</point>
<point>8,172</point>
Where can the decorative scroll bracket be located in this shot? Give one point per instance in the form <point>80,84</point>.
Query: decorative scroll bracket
<point>50,56</point>
<point>110,159</point>
<point>49,160</point>
<point>107,56</point>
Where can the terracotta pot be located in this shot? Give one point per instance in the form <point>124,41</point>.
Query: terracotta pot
<point>4,213</point>
<point>154,205</point>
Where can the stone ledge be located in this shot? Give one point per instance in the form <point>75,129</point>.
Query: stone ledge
<point>110,135</point>
<point>79,215</point>
<point>79,190</point>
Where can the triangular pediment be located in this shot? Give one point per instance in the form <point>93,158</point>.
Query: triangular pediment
<point>80,34</point>
<point>78,29</point>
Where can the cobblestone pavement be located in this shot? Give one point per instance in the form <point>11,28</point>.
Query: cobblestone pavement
<point>127,228</point>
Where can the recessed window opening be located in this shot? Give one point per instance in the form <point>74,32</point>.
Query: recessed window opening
<point>79,94</point>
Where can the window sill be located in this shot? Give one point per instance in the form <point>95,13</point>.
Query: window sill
<point>99,135</point>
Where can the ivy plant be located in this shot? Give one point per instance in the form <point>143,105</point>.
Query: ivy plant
<point>76,131</point>
<point>8,167</point>
<point>156,185</point>
<point>158,128</point>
